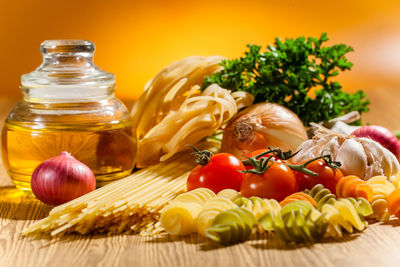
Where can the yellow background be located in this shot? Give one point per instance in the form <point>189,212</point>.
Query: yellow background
<point>135,39</point>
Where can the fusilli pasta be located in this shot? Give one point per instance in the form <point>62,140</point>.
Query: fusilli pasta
<point>381,188</point>
<point>352,186</point>
<point>396,180</point>
<point>210,210</point>
<point>298,196</point>
<point>232,226</point>
<point>179,217</point>
<point>321,195</point>
<point>394,202</point>
<point>297,222</point>
<point>346,213</point>
<point>259,206</point>
<point>229,194</point>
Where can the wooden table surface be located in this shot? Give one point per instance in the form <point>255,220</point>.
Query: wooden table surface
<point>379,245</point>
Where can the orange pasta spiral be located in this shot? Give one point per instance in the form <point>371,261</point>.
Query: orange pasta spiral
<point>352,186</point>
<point>298,196</point>
<point>393,202</point>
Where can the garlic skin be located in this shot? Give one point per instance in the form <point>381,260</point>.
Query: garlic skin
<point>262,125</point>
<point>362,157</point>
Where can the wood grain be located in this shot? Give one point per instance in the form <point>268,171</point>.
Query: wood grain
<point>379,245</point>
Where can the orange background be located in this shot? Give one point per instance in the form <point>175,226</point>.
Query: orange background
<point>135,39</point>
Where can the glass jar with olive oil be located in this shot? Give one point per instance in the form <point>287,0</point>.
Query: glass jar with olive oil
<point>68,105</point>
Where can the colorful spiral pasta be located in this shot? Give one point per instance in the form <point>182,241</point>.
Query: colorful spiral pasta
<point>298,222</point>
<point>298,196</point>
<point>352,186</point>
<point>381,188</point>
<point>321,195</point>
<point>346,213</point>
<point>232,226</point>
<point>210,210</point>
<point>259,206</point>
<point>179,216</point>
<point>393,202</point>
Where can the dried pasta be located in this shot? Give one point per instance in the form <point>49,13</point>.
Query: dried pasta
<point>259,206</point>
<point>396,180</point>
<point>346,214</point>
<point>352,186</point>
<point>232,226</point>
<point>210,210</point>
<point>393,202</point>
<point>179,217</point>
<point>381,188</point>
<point>298,222</point>
<point>230,194</point>
<point>321,195</point>
<point>130,205</point>
<point>298,196</point>
<point>173,112</point>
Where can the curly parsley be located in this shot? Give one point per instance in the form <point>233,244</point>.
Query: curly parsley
<point>297,73</point>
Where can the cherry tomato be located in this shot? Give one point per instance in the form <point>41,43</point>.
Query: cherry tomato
<point>277,182</point>
<point>259,151</point>
<point>221,172</point>
<point>327,176</point>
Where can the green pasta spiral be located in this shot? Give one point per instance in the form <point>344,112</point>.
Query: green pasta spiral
<point>321,195</point>
<point>297,222</point>
<point>232,226</point>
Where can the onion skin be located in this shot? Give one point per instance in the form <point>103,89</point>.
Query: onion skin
<point>61,179</point>
<point>381,135</point>
<point>262,125</point>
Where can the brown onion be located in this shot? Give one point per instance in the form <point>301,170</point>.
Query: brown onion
<point>262,125</point>
<point>61,179</point>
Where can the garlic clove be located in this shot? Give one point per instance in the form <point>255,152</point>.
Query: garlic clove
<point>383,162</point>
<point>307,151</point>
<point>353,158</point>
<point>332,146</point>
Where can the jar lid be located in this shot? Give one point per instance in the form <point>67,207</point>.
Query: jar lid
<point>67,63</point>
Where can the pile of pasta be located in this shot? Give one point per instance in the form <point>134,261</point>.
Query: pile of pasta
<point>173,112</point>
<point>130,205</point>
<point>303,217</point>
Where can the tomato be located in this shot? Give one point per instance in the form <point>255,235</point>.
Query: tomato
<point>259,151</point>
<point>221,172</point>
<point>277,182</point>
<point>327,176</point>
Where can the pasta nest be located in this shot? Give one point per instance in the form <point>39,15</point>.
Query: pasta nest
<point>173,112</point>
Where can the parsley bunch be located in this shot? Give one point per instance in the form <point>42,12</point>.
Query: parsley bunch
<point>298,74</point>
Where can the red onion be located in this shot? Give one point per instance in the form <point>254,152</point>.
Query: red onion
<point>381,135</point>
<point>61,179</point>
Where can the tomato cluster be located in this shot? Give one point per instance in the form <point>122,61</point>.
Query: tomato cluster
<point>276,180</point>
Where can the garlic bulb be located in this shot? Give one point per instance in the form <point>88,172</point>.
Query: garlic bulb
<point>262,125</point>
<point>362,157</point>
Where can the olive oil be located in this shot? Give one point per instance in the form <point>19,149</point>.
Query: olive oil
<point>108,149</point>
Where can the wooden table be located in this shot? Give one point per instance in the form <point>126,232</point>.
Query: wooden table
<point>379,245</point>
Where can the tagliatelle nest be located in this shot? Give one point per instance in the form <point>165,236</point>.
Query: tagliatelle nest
<point>173,112</point>
<point>359,156</point>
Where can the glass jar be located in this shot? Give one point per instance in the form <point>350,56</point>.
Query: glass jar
<point>68,105</point>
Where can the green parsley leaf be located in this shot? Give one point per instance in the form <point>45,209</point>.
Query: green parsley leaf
<point>298,74</point>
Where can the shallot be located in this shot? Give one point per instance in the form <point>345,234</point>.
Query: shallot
<point>61,179</point>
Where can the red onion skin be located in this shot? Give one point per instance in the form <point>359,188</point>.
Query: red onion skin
<point>381,135</point>
<point>61,179</point>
